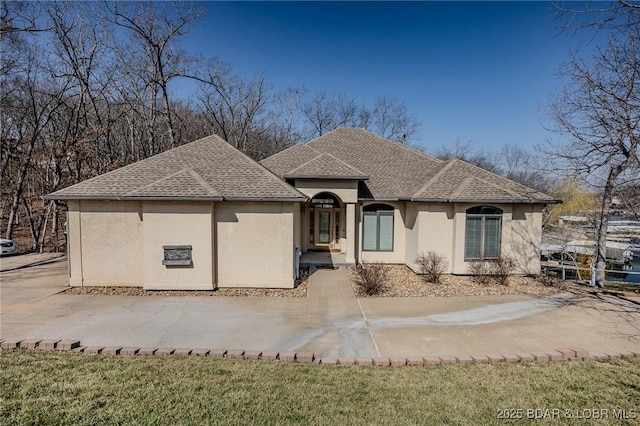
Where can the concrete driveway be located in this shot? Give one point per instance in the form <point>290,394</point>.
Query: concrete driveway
<point>329,322</point>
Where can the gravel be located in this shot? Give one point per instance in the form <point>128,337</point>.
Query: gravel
<point>403,282</point>
<point>400,282</point>
<point>300,290</point>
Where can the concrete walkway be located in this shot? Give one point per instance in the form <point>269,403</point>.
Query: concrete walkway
<point>329,322</point>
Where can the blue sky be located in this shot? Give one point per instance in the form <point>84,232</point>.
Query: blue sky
<point>469,71</point>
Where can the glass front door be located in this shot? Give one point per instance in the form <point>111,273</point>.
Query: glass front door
<point>324,227</point>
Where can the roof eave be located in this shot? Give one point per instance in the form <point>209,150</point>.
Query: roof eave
<point>115,198</point>
<point>269,199</point>
<point>331,177</point>
<point>129,198</point>
<point>479,200</point>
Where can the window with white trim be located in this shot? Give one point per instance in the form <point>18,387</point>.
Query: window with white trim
<point>483,233</point>
<point>377,228</point>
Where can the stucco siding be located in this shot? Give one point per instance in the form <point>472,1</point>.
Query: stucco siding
<point>412,232</point>
<point>110,241</point>
<point>74,243</point>
<point>524,238</point>
<point>346,190</point>
<point>435,230</point>
<point>170,224</point>
<point>255,244</point>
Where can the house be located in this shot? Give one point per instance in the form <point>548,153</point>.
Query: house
<point>203,215</point>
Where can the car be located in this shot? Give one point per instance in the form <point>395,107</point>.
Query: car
<point>7,246</point>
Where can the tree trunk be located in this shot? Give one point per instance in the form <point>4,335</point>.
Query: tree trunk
<point>17,193</point>
<point>54,228</point>
<point>42,230</point>
<point>607,197</point>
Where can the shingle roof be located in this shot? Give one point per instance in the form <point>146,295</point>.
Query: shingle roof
<point>207,169</point>
<point>460,181</point>
<point>326,166</point>
<point>396,171</point>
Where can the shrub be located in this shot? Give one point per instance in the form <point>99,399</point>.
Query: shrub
<point>371,278</point>
<point>501,268</point>
<point>432,265</point>
<point>496,269</point>
<point>480,272</point>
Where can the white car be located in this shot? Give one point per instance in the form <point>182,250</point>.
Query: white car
<point>7,246</point>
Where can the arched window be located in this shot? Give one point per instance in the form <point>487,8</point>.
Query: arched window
<point>377,228</point>
<point>325,200</point>
<point>483,233</point>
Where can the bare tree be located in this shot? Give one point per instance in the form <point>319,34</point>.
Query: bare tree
<point>234,106</point>
<point>467,152</point>
<point>157,30</point>
<point>34,107</point>
<point>326,112</point>
<point>389,117</point>
<point>598,113</point>
<point>288,124</point>
<point>525,167</point>
<point>391,120</point>
<point>629,195</point>
<point>617,15</point>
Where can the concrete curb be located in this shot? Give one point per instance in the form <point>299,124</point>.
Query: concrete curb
<point>306,357</point>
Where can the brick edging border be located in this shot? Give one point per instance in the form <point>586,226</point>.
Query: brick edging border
<point>306,357</point>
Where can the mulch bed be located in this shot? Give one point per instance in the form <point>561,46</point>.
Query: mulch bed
<point>401,281</point>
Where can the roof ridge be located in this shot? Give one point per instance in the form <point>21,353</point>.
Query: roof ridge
<point>464,185</point>
<point>399,144</point>
<point>485,171</point>
<point>306,144</point>
<point>433,178</point>
<point>345,163</point>
<point>265,171</point>
<point>134,191</point>
<point>499,187</point>
<point>203,182</point>
<point>326,154</point>
<point>305,163</point>
<point>135,163</point>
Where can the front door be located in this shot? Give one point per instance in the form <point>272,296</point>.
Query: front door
<point>324,227</point>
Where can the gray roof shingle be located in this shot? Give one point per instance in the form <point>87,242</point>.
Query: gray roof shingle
<point>211,169</point>
<point>326,166</point>
<point>396,171</point>
<point>207,169</point>
<point>460,181</point>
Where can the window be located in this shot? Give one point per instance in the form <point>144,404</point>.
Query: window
<point>377,228</point>
<point>325,201</point>
<point>483,233</point>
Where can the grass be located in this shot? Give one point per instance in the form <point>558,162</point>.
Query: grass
<point>64,388</point>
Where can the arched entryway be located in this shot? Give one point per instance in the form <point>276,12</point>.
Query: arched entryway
<point>326,224</point>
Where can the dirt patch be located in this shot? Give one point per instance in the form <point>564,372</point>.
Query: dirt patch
<point>403,282</point>
<point>299,291</point>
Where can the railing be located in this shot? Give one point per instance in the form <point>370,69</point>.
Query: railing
<point>564,268</point>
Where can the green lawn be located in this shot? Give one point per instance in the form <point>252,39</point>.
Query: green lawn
<point>65,388</point>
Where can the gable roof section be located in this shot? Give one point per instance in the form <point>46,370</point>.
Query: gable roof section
<point>393,169</point>
<point>326,166</point>
<point>289,159</point>
<point>459,181</point>
<point>398,172</point>
<point>208,169</point>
